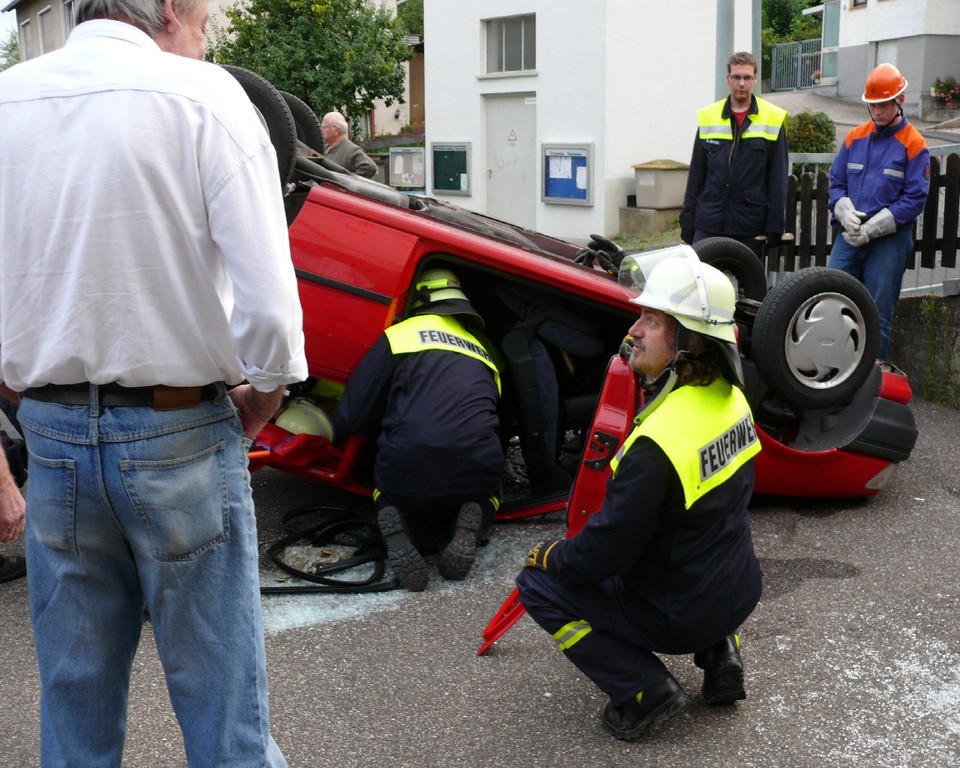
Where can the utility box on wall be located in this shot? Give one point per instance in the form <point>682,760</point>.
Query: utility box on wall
<point>660,183</point>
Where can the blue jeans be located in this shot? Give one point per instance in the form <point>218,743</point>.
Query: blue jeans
<point>879,265</point>
<point>132,508</point>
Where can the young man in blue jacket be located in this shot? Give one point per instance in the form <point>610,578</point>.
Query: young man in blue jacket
<point>878,186</point>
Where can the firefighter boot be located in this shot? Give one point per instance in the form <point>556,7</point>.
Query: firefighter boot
<point>632,719</point>
<point>409,568</point>
<point>722,671</point>
<point>457,557</point>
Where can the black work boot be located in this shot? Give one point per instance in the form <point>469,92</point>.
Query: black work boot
<point>409,568</point>
<point>659,702</point>
<point>12,567</point>
<point>722,671</point>
<point>458,556</point>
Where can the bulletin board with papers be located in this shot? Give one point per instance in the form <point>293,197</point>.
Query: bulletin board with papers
<point>406,167</point>
<point>567,174</point>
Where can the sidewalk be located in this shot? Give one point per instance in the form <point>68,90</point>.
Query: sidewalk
<point>846,114</point>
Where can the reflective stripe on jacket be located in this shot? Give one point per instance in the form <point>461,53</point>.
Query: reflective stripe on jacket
<point>441,332</point>
<point>706,432</point>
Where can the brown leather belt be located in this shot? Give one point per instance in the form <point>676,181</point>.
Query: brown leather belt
<point>112,395</point>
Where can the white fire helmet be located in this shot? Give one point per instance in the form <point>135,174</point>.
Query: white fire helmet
<point>698,295</point>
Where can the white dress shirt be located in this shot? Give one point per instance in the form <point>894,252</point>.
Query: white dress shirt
<point>144,239</point>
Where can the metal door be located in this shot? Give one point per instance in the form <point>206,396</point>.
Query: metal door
<point>511,158</point>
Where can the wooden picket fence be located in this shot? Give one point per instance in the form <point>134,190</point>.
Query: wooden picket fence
<point>808,218</point>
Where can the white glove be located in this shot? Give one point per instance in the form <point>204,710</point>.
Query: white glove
<point>878,225</point>
<point>847,215</point>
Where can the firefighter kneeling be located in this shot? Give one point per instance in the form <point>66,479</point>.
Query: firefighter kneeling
<point>430,385</point>
<point>667,564</point>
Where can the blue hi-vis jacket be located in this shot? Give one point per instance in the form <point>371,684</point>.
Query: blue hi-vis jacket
<point>886,168</point>
<point>737,184</point>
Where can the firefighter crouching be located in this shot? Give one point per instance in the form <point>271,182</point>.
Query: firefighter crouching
<point>430,386</point>
<point>667,564</point>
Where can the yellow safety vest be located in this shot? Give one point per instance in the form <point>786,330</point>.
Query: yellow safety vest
<point>765,124</point>
<point>706,432</point>
<point>422,332</point>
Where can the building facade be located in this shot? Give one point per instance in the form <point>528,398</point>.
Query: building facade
<point>556,100</point>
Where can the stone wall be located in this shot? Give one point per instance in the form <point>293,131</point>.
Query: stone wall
<point>925,344</point>
<point>933,111</point>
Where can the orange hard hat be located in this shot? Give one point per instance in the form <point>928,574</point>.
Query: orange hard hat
<point>884,83</point>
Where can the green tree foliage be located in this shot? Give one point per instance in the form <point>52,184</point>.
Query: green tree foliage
<point>411,14</point>
<point>782,21</point>
<point>810,131</point>
<point>778,15</point>
<point>333,54</point>
<point>10,50</point>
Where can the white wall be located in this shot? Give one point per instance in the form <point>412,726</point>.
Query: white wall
<point>626,75</point>
<point>879,21</point>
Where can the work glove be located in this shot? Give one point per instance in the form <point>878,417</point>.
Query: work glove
<point>588,256</point>
<point>848,216</point>
<point>537,557</point>
<point>686,235</point>
<point>607,248</point>
<point>876,226</point>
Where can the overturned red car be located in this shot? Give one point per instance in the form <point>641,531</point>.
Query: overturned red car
<point>833,422</point>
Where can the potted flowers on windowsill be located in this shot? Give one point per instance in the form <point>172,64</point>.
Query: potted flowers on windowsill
<point>946,90</point>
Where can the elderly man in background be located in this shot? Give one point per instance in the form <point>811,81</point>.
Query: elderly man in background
<point>145,271</point>
<point>341,150</point>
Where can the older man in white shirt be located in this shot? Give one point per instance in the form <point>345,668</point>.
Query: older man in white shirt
<point>149,318</point>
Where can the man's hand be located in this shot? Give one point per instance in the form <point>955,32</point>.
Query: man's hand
<point>256,408</point>
<point>770,239</point>
<point>12,505</point>
<point>848,216</point>
<point>537,557</point>
<point>686,235</point>
<point>9,394</point>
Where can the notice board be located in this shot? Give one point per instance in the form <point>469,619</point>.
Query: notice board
<point>406,167</point>
<point>451,167</point>
<point>567,174</point>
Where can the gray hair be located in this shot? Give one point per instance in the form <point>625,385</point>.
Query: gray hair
<point>336,120</point>
<point>147,15</point>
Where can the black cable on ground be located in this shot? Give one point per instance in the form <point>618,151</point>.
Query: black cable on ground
<point>362,535</point>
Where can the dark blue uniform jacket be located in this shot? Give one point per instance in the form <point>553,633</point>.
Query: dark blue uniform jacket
<point>437,416</point>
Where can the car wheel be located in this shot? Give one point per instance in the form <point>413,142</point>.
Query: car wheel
<point>816,336</point>
<point>275,116</point>
<point>736,261</point>
<point>309,130</point>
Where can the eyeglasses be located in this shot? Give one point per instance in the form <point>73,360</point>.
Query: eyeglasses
<point>741,78</point>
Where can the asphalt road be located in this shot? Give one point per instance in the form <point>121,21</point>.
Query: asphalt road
<point>853,655</point>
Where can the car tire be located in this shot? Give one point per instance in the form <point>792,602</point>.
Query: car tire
<point>738,262</point>
<point>275,116</point>
<point>308,125</point>
<point>816,336</point>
